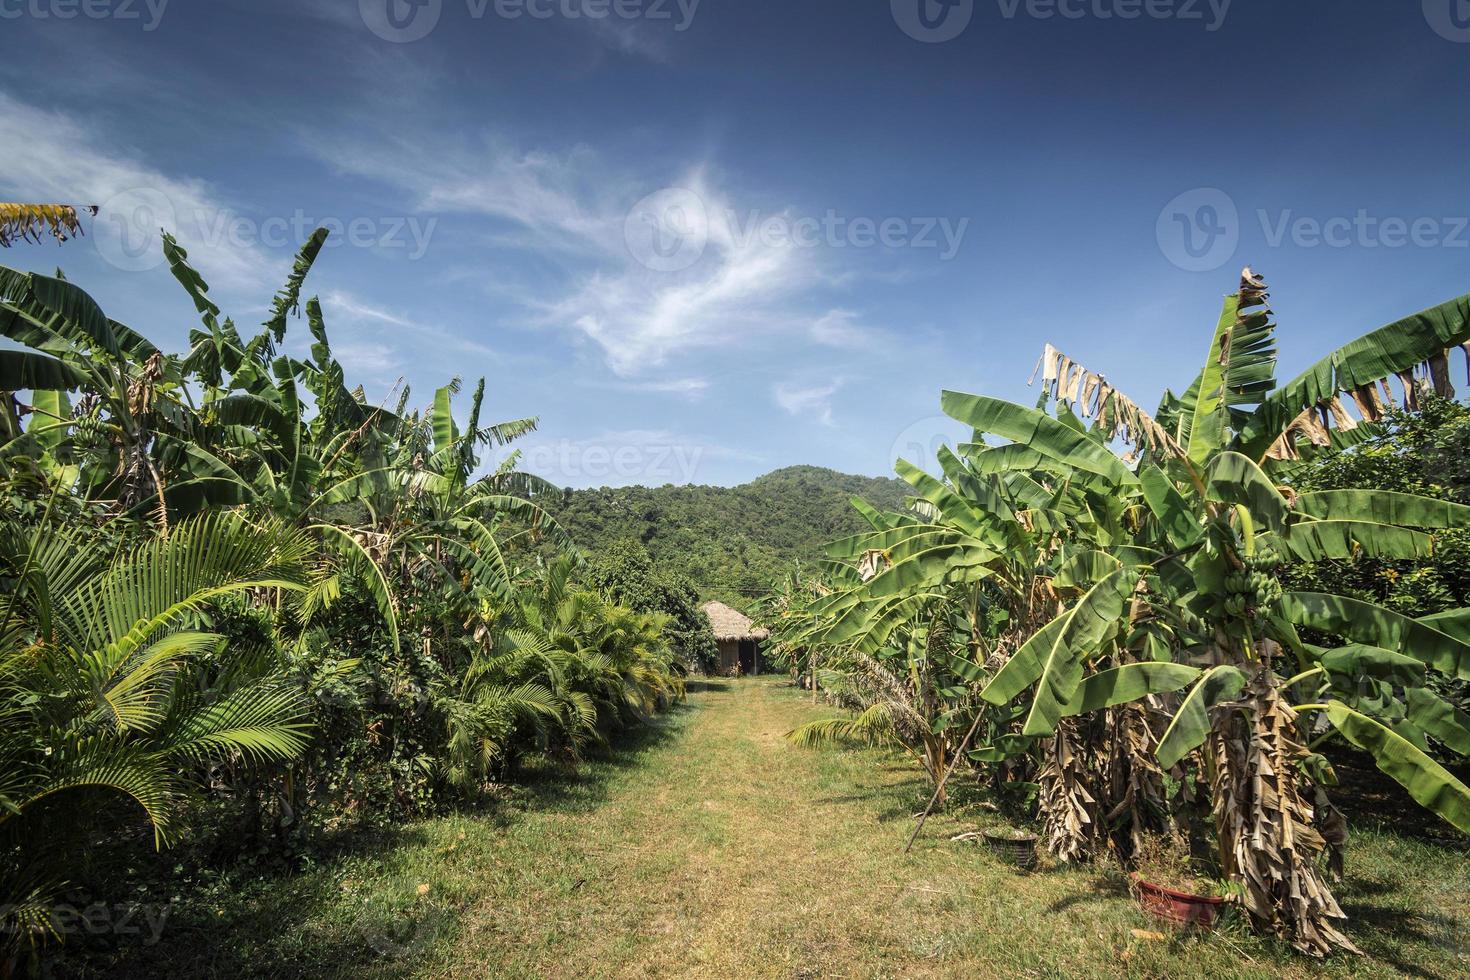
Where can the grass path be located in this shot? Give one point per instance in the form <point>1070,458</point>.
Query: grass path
<point>713,848</point>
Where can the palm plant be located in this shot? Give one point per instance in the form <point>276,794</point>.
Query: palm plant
<point>562,665</point>
<point>112,685</point>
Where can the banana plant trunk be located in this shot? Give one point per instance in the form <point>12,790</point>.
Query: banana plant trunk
<point>1269,837</point>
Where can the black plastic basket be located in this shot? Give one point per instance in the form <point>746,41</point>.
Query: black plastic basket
<point>1020,851</point>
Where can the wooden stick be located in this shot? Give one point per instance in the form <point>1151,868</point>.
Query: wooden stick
<point>944,779</point>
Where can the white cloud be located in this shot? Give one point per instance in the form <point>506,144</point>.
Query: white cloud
<point>368,357</point>
<point>338,305</point>
<point>815,401</point>
<point>840,328</point>
<point>688,387</point>
<point>574,210</point>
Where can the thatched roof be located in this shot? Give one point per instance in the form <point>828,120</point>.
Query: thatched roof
<point>730,624</point>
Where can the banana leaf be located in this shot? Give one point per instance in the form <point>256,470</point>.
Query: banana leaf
<point>1038,431</point>
<point>1426,780</point>
<point>1191,723</point>
<point>1382,507</point>
<point>1435,716</point>
<point>1088,625</point>
<point>1365,622</point>
<point>1321,540</point>
<point>1128,683</point>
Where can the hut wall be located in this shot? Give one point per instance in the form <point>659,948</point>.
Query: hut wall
<point>729,656</point>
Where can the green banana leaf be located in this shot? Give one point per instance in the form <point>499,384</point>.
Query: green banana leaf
<point>1426,780</point>
<point>951,505</point>
<point>1191,723</point>
<point>1208,423</point>
<point>1359,660</point>
<point>1234,479</point>
<point>1435,716</point>
<point>1089,623</point>
<point>1127,683</point>
<point>1085,568</point>
<point>1386,351</point>
<point>1365,622</point>
<point>1025,665</point>
<point>78,312</point>
<point>1320,540</point>
<point>1382,507</point>
<point>1455,622</point>
<point>1037,431</point>
<point>22,370</point>
<point>1178,520</point>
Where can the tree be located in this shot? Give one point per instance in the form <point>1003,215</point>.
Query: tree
<point>624,574</point>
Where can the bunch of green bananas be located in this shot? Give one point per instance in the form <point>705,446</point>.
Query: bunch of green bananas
<point>1253,587</point>
<point>89,427</point>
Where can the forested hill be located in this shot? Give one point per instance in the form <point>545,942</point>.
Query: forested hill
<point>733,543</point>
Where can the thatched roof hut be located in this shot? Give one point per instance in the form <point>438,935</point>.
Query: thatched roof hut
<point>738,638</point>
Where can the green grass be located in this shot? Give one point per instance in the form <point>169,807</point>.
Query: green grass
<point>711,847</point>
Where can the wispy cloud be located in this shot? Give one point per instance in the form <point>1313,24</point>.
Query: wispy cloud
<point>842,328</point>
<point>339,306</point>
<point>690,388</point>
<point>582,215</point>
<point>815,401</point>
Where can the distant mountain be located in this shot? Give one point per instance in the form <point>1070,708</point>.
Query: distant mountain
<point>732,542</point>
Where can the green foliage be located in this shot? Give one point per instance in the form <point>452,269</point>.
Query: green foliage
<point>1074,591</point>
<point>625,574</point>
<point>730,543</point>
<point>231,585</point>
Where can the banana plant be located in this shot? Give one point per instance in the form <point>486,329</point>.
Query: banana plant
<point>133,392</point>
<point>1211,527</point>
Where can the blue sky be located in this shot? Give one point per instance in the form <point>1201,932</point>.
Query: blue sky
<point>703,240</point>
